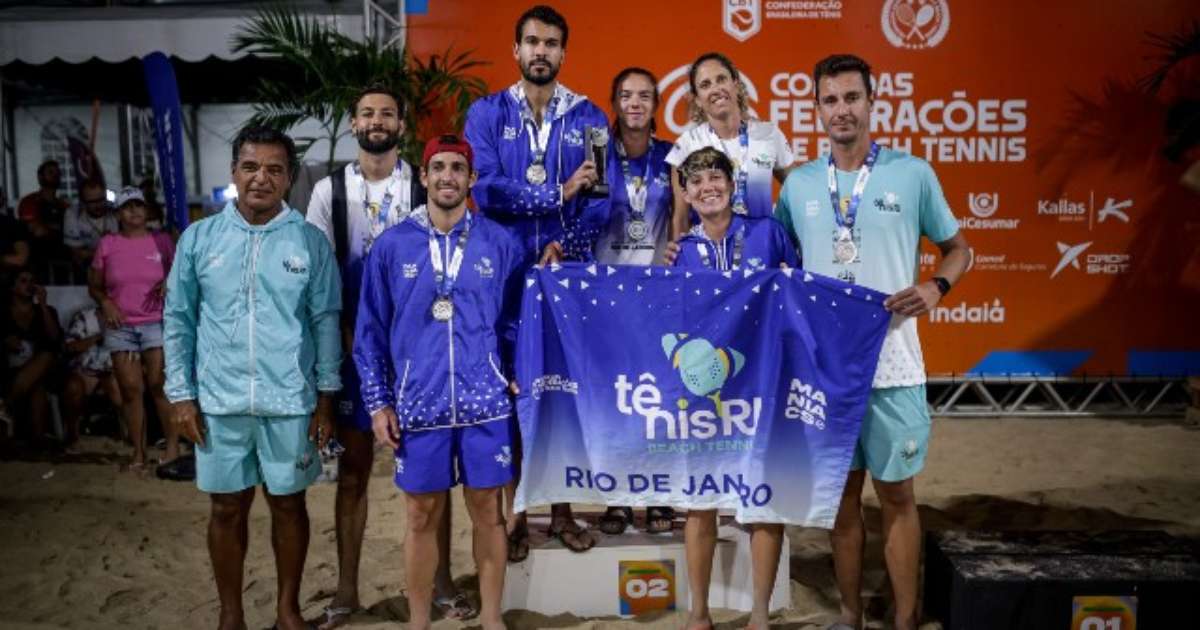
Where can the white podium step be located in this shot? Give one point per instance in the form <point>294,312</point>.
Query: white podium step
<point>632,573</point>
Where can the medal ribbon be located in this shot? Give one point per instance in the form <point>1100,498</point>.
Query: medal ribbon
<point>637,193</point>
<point>446,272</point>
<point>377,224</point>
<point>723,262</point>
<point>539,135</point>
<point>743,166</point>
<point>860,185</point>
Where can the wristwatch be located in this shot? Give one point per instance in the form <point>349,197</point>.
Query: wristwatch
<point>943,285</point>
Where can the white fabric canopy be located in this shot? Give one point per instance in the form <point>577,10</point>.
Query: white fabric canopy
<point>114,40</point>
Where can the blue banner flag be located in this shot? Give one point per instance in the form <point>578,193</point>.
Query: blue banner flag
<point>735,390</point>
<point>168,135</point>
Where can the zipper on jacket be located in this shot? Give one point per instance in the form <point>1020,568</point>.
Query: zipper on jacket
<point>450,337</point>
<point>251,296</point>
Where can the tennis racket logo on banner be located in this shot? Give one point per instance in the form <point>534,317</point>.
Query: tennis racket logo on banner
<point>915,24</point>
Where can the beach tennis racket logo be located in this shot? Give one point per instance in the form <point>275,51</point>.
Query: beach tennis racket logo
<point>741,19</point>
<point>646,585</point>
<point>915,24</point>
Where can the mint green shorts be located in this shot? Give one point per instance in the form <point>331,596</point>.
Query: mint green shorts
<point>241,452</point>
<point>895,434</point>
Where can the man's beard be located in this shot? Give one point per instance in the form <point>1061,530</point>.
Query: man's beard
<point>433,199</point>
<point>389,142</point>
<point>546,79</point>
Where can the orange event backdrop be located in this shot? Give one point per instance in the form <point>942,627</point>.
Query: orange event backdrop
<point>1048,150</point>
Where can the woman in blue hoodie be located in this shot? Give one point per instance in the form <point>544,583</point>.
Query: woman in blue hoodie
<point>725,241</point>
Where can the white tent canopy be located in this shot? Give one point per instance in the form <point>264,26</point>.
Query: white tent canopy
<point>116,35</point>
<point>75,41</point>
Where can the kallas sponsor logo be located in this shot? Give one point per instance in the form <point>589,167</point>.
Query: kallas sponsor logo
<point>1061,207</point>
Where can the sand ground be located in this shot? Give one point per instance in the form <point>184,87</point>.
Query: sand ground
<point>85,545</point>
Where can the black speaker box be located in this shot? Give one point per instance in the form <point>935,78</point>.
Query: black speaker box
<point>1029,580</point>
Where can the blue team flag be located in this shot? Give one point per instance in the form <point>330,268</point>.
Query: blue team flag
<point>168,135</point>
<point>735,390</point>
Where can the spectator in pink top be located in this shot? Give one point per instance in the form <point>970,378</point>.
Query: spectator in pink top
<point>127,280</point>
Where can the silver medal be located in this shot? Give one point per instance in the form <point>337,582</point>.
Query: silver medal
<point>845,251</point>
<point>536,174</point>
<point>636,230</point>
<point>443,309</point>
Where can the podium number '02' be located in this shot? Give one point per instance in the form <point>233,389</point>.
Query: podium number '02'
<point>1096,623</point>
<point>638,588</point>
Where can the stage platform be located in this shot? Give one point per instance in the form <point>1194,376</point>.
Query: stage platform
<point>632,573</point>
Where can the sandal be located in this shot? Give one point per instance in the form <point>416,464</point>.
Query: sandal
<point>333,617</point>
<point>615,520</point>
<point>182,468</point>
<point>518,544</point>
<point>659,520</point>
<point>576,541</point>
<point>457,607</point>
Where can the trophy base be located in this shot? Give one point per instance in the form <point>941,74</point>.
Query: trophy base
<point>599,190</point>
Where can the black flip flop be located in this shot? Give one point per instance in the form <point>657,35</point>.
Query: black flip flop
<point>660,513</point>
<point>615,520</point>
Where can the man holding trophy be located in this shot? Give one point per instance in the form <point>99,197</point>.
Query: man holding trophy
<point>534,146</point>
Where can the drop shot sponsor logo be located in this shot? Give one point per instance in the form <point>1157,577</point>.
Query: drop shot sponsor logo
<point>1091,263</point>
<point>984,313</point>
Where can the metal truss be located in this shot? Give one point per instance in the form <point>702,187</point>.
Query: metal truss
<point>1046,396</point>
<point>383,26</point>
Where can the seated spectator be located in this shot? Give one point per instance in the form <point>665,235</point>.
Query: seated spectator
<point>31,339</point>
<point>128,281</point>
<point>42,212</point>
<point>87,222</point>
<point>90,369</point>
<point>14,248</point>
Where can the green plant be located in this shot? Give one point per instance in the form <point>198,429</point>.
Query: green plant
<point>324,70</point>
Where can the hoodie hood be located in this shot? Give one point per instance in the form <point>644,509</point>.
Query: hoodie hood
<point>286,216</point>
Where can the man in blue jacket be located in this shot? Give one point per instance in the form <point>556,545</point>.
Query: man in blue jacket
<point>433,344</point>
<point>532,157</point>
<point>252,363</point>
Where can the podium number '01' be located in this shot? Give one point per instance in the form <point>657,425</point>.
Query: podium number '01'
<point>1096,623</point>
<point>637,588</point>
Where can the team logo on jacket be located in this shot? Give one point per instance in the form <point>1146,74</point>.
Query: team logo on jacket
<point>410,271</point>
<point>510,133</point>
<point>295,264</point>
<point>890,202</point>
<point>574,138</point>
<point>484,267</point>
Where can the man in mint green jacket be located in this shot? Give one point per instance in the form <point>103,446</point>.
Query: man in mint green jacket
<point>253,355</point>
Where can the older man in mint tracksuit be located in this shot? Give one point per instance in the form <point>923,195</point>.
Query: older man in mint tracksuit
<point>252,361</point>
